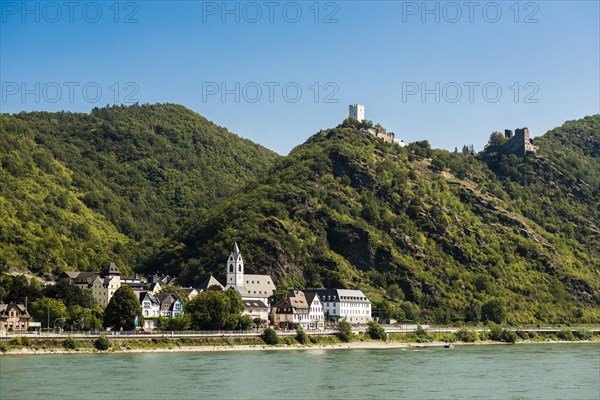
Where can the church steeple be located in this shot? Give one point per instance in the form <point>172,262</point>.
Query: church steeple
<point>235,267</point>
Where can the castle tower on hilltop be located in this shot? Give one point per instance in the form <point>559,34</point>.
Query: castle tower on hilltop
<point>520,143</point>
<point>357,112</point>
<point>235,268</point>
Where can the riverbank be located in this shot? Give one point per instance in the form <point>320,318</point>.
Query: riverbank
<point>177,345</point>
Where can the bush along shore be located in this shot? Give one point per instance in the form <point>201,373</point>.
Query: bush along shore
<point>372,338</point>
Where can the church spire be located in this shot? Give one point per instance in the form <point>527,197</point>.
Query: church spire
<point>235,267</point>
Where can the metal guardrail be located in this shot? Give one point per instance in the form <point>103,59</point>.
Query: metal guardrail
<point>255,333</point>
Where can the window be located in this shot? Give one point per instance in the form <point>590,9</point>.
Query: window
<point>230,267</point>
<point>239,268</point>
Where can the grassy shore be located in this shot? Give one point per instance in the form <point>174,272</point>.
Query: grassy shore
<point>24,345</point>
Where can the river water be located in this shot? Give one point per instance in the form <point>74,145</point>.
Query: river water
<point>539,371</point>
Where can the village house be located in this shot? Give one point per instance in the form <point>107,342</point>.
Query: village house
<point>150,305</point>
<point>350,305</point>
<point>301,308</point>
<point>292,310</point>
<point>103,287</point>
<point>150,310</point>
<point>170,305</point>
<point>14,317</point>
<point>316,315</point>
<point>256,309</point>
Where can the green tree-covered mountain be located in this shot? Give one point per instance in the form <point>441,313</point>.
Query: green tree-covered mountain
<point>454,234</point>
<point>80,190</point>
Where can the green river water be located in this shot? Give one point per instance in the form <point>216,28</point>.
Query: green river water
<point>539,371</point>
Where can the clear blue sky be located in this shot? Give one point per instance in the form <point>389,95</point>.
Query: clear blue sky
<point>378,53</point>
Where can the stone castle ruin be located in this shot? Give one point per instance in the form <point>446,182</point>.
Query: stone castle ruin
<point>520,143</point>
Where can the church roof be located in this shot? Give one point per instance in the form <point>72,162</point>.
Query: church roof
<point>257,286</point>
<point>236,248</point>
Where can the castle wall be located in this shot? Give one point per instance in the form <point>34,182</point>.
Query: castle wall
<point>519,144</point>
<point>386,136</point>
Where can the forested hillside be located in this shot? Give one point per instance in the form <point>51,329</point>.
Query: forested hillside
<point>81,190</point>
<point>422,231</point>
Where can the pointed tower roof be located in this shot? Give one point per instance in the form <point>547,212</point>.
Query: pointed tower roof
<point>210,281</point>
<point>113,270</point>
<point>236,249</point>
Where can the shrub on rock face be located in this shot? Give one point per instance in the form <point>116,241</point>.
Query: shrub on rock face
<point>102,343</point>
<point>270,336</point>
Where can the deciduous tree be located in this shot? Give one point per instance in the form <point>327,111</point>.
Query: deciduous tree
<point>122,310</point>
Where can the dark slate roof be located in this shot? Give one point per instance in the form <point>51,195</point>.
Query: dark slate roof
<point>210,281</point>
<point>152,286</point>
<point>147,295</point>
<point>168,297</point>
<point>336,295</point>
<point>310,297</point>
